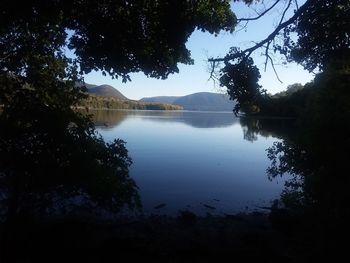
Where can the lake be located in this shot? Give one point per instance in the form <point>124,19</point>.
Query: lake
<point>193,160</point>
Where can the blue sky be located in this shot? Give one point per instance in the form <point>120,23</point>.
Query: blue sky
<point>194,78</point>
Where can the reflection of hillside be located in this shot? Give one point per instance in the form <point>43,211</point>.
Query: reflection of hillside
<point>193,119</point>
<point>107,118</point>
<point>207,120</point>
<point>265,127</point>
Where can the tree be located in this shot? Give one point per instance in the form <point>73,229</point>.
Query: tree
<point>323,35</point>
<point>119,37</point>
<point>315,35</point>
<point>49,153</point>
<point>241,80</point>
<point>311,149</point>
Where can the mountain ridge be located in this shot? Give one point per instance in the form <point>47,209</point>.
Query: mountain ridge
<point>200,101</point>
<point>160,99</point>
<point>107,91</point>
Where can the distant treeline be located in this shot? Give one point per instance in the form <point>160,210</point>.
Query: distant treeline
<point>98,102</point>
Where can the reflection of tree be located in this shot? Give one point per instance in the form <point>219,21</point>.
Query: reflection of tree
<point>317,149</point>
<point>314,151</point>
<point>319,188</point>
<point>287,157</point>
<point>318,167</point>
<point>47,164</point>
<point>314,155</point>
<point>108,118</point>
<point>252,127</point>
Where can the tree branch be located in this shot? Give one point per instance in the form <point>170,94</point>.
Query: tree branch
<point>212,71</point>
<point>267,54</point>
<point>260,15</point>
<point>268,39</point>
<point>296,4</point>
<point>285,11</point>
<point>274,69</point>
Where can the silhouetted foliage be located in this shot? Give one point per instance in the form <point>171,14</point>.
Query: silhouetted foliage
<point>313,151</point>
<point>45,167</point>
<point>316,35</point>
<point>289,91</point>
<point>51,156</point>
<point>117,37</point>
<point>323,35</point>
<point>241,80</point>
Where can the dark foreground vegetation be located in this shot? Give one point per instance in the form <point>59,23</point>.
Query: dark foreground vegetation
<point>54,164</point>
<point>157,239</point>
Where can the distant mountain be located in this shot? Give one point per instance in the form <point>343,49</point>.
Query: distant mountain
<point>205,101</point>
<point>161,99</point>
<point>106,91</point>
<point>202,101</point>
<point>87,85</point>
<point>107,97</point>
<point>103,91</point>
<point>101,102</point>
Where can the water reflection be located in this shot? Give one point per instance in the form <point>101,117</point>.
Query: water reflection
<point>106,119</point>
<point>315,153</point>
<point>188,160</point>
<point>266,127</point>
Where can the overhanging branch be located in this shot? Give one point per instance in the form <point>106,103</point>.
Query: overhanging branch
<point>260,15</point>
<point>247,52</point>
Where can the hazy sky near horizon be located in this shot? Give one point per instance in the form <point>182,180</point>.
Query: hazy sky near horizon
<point>195,78</point>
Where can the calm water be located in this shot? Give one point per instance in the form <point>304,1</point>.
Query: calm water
<point>187,160</point>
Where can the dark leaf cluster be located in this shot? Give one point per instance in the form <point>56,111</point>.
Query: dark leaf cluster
<point>241,80</point>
